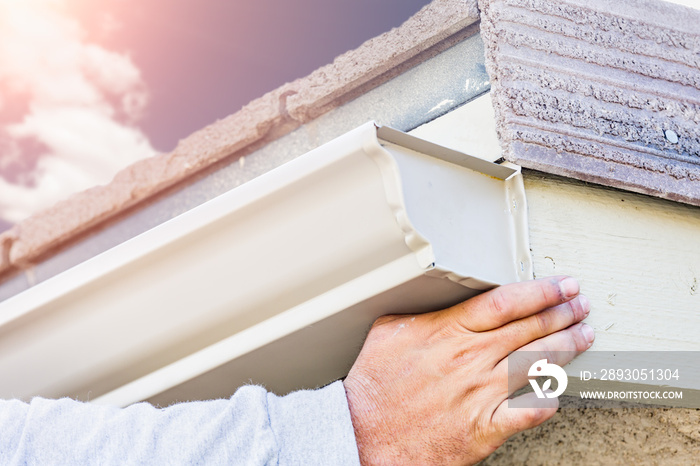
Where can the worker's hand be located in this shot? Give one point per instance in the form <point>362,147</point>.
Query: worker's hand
<point>431,388</point>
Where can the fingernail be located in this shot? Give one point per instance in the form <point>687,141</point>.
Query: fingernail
<point>585,305</point>
<point>569,287</point>
<point>588,333</point>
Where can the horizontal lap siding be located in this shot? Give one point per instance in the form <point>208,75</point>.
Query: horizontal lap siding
<point>637,257</point>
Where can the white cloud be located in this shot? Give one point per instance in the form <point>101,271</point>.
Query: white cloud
<point>80,103</point>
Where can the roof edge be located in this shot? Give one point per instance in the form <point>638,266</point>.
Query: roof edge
<point>261,121</point>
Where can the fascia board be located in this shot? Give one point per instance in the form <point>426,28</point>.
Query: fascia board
<point>248,270</point>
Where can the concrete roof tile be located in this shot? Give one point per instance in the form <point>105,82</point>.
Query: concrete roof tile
<point>332,85</point>
<point>601,91</point>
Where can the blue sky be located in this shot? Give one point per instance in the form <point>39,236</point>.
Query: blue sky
<point>89,87</point>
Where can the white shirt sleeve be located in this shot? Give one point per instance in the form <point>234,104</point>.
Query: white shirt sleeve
<point>252,427</point>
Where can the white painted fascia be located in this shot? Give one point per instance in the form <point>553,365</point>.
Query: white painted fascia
<point>470,128</point>
<point>274,282</point>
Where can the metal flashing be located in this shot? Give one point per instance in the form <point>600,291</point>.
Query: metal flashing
<point>274,282</point>
<point>501,172</point>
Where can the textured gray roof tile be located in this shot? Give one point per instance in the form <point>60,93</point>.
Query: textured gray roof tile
<point>597,90</point>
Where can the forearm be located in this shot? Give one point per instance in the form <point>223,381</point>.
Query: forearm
<point>252,427</point>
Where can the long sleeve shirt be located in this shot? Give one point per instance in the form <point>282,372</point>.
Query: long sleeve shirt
<point>252,427</point>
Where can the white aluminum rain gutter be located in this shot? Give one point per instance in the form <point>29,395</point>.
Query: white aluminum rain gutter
<point>274,282</point>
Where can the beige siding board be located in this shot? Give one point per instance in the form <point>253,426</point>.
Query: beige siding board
<point>637,258</point>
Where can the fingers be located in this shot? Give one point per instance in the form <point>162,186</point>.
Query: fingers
<point>511,302</point>
<point>521,332</point>
<point>558,348</point>
<point>510,421</point>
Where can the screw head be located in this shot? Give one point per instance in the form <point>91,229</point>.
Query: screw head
<point>671,136</point>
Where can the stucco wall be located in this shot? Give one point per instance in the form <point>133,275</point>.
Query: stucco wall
<point>617,436</point>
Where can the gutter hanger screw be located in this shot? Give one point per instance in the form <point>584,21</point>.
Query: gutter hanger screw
<point>671,136</point>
